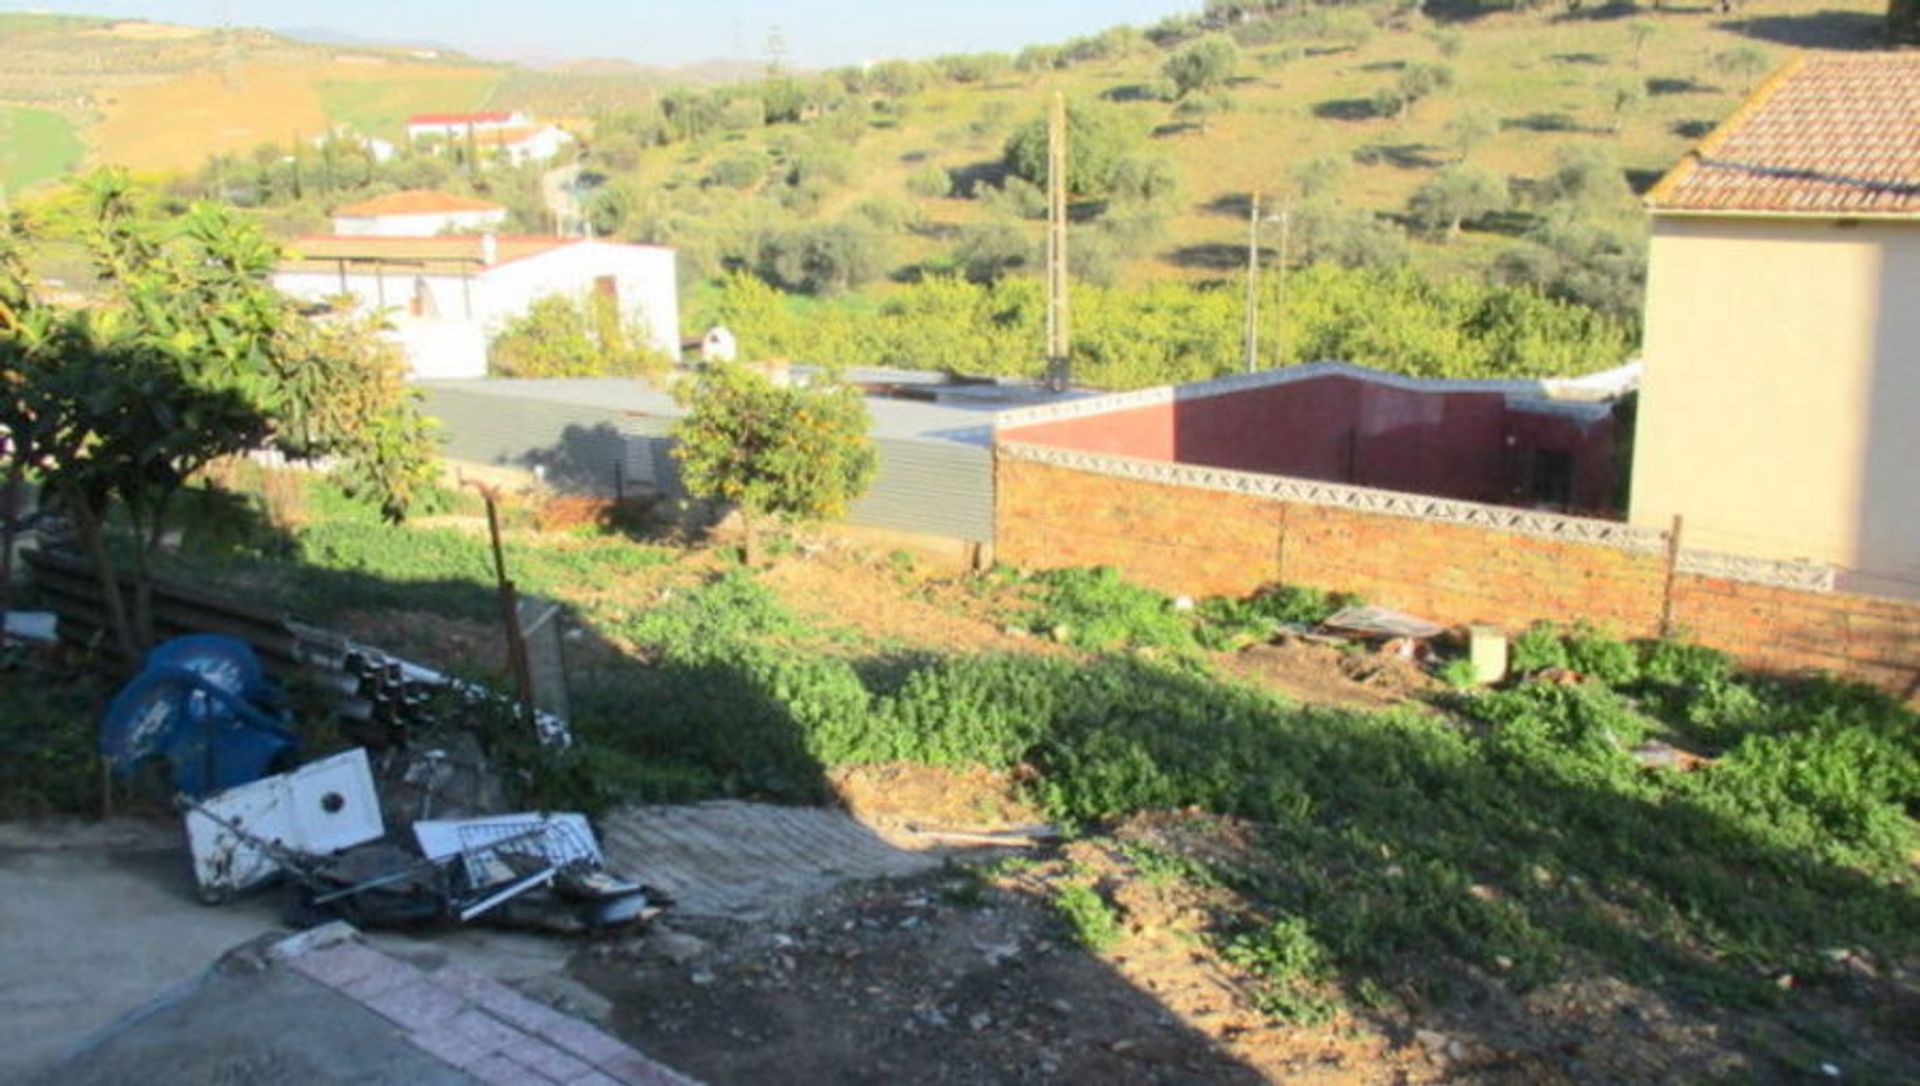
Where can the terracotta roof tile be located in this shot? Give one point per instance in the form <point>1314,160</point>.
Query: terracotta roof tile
<point>1825,136</point>
<point>497,116</point>
<point>415,202</point>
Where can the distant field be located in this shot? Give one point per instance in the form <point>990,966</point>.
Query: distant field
<point>35,145</point>
<point>378,104</point>
<point>11,21</point>
<point>175,125</point>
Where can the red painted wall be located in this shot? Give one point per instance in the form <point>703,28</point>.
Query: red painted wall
<point>1466,445</point>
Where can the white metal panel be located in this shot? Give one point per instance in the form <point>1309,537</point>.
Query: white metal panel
<point>320,808</point>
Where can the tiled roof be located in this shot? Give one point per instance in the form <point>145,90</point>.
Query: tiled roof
<point>495,116</point>
<point>415,202</point>
<point>1831,136</point>
<point>444,254</point>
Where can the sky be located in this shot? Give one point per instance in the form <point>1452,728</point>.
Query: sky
<point>816,33</point>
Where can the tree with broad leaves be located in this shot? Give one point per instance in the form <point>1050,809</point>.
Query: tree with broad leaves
<point>791,454</point>
<point>190,357</point>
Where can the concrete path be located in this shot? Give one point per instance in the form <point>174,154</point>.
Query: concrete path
<point>324,1007</point>
<point>750,861</point>
<point>96,920</point>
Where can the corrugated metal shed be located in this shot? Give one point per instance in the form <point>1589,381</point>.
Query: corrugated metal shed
<point>607,435</point>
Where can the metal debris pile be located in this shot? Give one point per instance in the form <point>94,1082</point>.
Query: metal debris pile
<point>410,833</point>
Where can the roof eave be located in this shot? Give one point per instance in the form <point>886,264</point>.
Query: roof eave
<point>1808,216</point>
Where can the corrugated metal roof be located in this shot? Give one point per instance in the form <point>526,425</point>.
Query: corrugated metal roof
<point>609,435</point>
<point>961,420</point>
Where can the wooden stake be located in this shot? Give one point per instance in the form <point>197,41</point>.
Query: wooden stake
<point>1673,570</point>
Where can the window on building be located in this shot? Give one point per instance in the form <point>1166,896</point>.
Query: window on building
<point>422,304</point>
<point>606,286</point>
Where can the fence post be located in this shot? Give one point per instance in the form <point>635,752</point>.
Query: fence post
<point>1280,546</point>
<point>1673,570</point>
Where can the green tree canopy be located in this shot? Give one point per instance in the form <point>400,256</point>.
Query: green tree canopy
<point>1202,65</point>
<point>790,453</point>
<point>1455,195</point>
<point>1099,137</point>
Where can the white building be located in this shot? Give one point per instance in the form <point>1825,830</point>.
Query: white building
<point>457,125</point>
<point>519,146</point>
<point>448,296</point>
<point>377,149</point>
<point>417,213</point>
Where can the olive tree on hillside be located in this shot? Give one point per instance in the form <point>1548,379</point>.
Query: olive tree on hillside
<point>1456,195</point>
<point>789,454</point>
<point>1203,65</point>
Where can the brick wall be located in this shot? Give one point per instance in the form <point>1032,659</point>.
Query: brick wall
<point>1205,539</point>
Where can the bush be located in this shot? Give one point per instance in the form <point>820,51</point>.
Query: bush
<point>563,336</point>
<point>1202,65</point>
<point>1097,609</point>
<point>739,171</point>
<point>1092,921</point>
<point>930,180</point>
<point>1098,138</point>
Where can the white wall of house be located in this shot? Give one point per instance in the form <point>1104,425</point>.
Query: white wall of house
<point>543,146</point>
<point>644,279</point>
<point>1780,407</point>
<point>459,129</point>
<point>398,294</point>
<point>441,350</point>
<point>418,226</point>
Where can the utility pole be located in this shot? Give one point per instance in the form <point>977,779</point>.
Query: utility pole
<point>1253,282</point>
<point>1285,218</point>
<point>1286,233</point>
<point>1059,341</point>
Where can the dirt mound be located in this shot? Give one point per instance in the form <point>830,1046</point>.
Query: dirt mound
<point>1321,673</point>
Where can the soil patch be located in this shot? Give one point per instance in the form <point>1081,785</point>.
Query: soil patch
<point>893,604</point>
<point>918,797</point>
<point>1318,673</point>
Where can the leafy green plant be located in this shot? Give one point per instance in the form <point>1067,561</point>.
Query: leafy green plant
<point>1228,623</point>
<point>1093,922</point>
<point>1290,968</point>
<point>794,453</point>
<point>1601,658</point>
<point>1459,673</point>
<point>1098,609</point>
<point>1536,649</point>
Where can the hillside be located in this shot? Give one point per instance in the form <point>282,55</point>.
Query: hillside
<point>1641,84</point>
<point>157,97</point>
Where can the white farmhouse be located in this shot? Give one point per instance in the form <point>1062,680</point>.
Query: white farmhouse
<point>519,146</point>
<point>448,296</point>
<point>452,126</point>
<point>417,213</point>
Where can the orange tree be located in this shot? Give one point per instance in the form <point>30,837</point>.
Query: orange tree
<point>789,453</point>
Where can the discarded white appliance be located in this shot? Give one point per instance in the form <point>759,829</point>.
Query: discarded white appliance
<point>239,836</point>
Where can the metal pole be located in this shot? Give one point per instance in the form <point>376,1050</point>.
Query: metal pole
<point>1253,281</point>
<point>1280,329</point>
<point>1059,371</point>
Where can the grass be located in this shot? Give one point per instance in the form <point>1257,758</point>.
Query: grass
<point>381,107</point>
<point>36,145</point>
<point>1383,859</point>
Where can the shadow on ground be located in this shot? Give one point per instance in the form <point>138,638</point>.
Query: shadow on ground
<point>1429,871</point>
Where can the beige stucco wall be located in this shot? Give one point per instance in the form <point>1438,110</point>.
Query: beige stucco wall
<point>1780,405</point>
